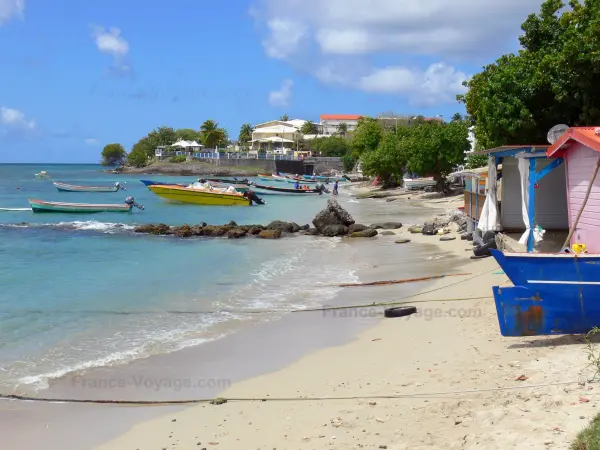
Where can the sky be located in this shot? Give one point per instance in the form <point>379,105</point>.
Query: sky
<point>76,75</point>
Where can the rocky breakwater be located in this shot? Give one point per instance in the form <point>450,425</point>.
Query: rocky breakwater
<point>333,220</point>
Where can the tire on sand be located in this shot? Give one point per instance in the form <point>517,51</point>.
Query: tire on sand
<point>400,311</point>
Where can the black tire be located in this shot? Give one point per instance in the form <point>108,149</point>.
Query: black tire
<point>480,257</point>
<point>400,311</point>
<point>484,249</point>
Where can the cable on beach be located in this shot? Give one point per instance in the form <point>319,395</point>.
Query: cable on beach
<point>441,394</point>
<point>406,280</point>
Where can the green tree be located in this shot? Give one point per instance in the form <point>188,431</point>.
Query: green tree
<point>284,118</point>
<point>138,156</point>
<point>212,135</point>
<point>387,161</point>
<point>342,129</point>
<point>146,145</point>
<point>245,135</point>
<point>553,79</point>
<point>330,146</point>
<point>113,154</point>
<point>476,160</point>
<point>456,117</point>
<point>187,134</point>
<point>366,137</point>
<point>161,136</point>
<point>309,128</point>
<point>348,161</point>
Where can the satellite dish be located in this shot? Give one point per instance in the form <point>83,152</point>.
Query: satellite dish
<point>556,131</point>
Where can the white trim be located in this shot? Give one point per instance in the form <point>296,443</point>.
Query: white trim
<point>552,255</point>
<point>595,283</point>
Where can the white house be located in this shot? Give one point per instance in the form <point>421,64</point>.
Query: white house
<point>472,140</point>
<point>330,122</point>
<point>279,136</point>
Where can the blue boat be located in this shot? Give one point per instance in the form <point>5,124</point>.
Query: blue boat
<point>553,293</point>
<point>158,183</point>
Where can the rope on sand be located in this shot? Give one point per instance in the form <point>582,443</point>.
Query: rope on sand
<point>282,399</point>
<point>406,280</point>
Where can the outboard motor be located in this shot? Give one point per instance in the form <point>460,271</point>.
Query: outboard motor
<point>119,187</point>
<point>251,195</point>
<point>131,201</point>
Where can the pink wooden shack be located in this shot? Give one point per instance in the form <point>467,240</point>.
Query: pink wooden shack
<point>580,149</point>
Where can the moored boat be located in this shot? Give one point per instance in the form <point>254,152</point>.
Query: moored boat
<point>44,206</point>
<point>419,183</point>
<point>73,188</point>
<point>42,175</point>
<point>286,190</point>
<point>199,196</point>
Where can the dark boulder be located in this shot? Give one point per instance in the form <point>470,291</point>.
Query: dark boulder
<point>305,227</point>
<point>236,233</point>
<point>254,230</point>
<point>148,228</point>
<point>355,227</point>
<point>376,226</point>
<point>366,233</point>
<point>334,230</point>
<point>279,225</point>
<point>232,224</point>
<point>269,234</point>
<point>391,225</point>
<point>387,233</point>
<point>428,229</point>
<point>332,214</point>
<point>183,231</point>
<point>221,230</point>
<point>295,227</point>
<point>311,232</point>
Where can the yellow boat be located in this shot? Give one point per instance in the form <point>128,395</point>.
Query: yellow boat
<point>199,196</point>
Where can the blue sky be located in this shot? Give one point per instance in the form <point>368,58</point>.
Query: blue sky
<point>78,75</point>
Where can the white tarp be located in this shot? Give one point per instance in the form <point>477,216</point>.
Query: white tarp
<point>489,212</point>
<point>537,232</point>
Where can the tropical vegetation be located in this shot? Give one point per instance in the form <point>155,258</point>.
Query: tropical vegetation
<point>113,155</point>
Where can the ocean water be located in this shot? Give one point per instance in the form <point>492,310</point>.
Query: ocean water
<point>83,291</point>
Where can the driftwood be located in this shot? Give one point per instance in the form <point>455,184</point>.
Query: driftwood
<point>406,280</point>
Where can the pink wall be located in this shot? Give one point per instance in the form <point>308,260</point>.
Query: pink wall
<point>581,162</point>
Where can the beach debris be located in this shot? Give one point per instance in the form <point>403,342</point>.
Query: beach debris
<point>400,311</point>
<point>405,280</point>
<point>383,446</point>
<point>522,378</point>
<point>372,403</point>
<point>584,400</point>
<point>213,443</point>
<point>174,420</point>
<point>380,420</point>
<point>373,340</point>
<point>218,401</point>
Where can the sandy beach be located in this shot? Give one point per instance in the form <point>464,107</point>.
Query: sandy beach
<point>347,378</point>
<point>441,378</point>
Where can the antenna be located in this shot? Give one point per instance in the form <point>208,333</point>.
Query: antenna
<point>556,131</point>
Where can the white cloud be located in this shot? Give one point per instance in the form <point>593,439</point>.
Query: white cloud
<point>337,41</point>
<point>111,42</point>
<point>90,141</point>
<point>15,119</point>
<point>10,9</point>
<point>282,97</point>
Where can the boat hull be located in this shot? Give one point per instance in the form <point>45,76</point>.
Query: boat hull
<point>72,188</point>
<point>285,190</point>
<point>552,293</point>
<point>412,184</point>
<point>42,206</point>
<point>198,197</point>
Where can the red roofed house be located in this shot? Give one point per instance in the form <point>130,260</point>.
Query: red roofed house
<point>580,149</point>
<point>330,122</point>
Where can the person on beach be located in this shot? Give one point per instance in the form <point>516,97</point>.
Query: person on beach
<point>335,188</point>
<point>297,185</point>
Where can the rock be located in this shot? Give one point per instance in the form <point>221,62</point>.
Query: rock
<point>376,226</point>
<point>236,233</point>
<point>402,241</point>
<point>332,214</point>
<point>232,224</point>
<point>269,234</point>
<point>367,233</point>
<point>356,227</point>
<point>441,221</point>
<point>334,230</point>
<point>207,230</point>
<point>386,233</point>
<point>453,227</point>
<point>183,231</point>
<point>305,227</point>
<point>221,230</point>
<point>295,227</point>
<point>149,228</point>
<point>391,225</point>
<point>447,238</point>
<point>428,229</point>
<point>312,232</point>
<point>255,230</point>
<point>415,229</point>
<point>460,219</point>
<point>279,225</point>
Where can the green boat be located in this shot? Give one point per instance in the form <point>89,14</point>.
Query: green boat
<point>43,206</point>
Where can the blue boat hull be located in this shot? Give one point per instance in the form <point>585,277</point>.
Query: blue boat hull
<point>552,293</point>
<point>158,183</point>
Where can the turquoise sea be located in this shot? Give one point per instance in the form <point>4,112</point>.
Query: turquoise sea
<point>82,291</point>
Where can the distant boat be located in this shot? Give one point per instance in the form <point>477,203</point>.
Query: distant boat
<point>272,177</point>
<point>199,196</point>
<point>286,190</point>
<point>301,180</point>
<point>41,175</point>
<point>418,183</point>
<point>43,206</point>
<point>72,188</point>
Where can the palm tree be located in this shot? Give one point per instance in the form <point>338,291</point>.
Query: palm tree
<point>211,134</point>
<point>245,135</point>
<point>309,128</point>
<point>342,129</point>
<point>284,118</point>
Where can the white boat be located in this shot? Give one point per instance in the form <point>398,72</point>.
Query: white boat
<point>418,183</point>
<point>42,174</point>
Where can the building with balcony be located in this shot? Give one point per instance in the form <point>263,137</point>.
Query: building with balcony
<point>330,123</point>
